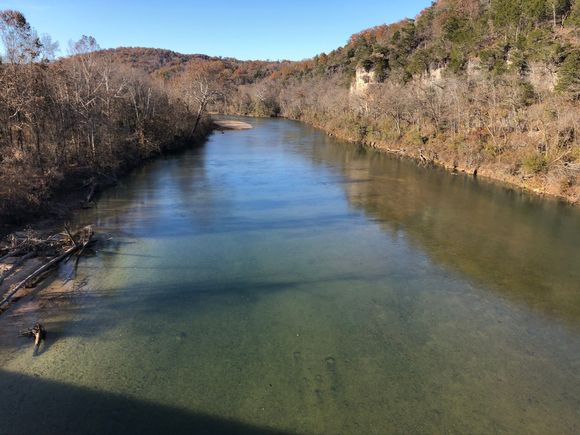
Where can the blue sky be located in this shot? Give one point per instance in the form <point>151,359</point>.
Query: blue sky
<point>250,29</point>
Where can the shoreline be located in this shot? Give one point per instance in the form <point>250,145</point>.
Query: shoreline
<point>60,209</point>
<point>484,171</point>
<point>49,222</point>
<point>65,200</point>
<point>228,124</point>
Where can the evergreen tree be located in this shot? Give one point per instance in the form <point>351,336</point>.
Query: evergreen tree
<point>569,76</point>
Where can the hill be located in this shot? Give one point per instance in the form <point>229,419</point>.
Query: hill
<point>489,87</point>
<point>152,59</point>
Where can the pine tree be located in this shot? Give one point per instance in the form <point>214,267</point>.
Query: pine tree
<point>569,76</point>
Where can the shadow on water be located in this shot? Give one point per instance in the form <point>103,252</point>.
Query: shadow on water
<point>91,313</point>
<point>56,408</point>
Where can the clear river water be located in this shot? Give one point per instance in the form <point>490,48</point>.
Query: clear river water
<point>276,280</point>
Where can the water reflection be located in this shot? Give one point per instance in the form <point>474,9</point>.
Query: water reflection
<point>525,247</point>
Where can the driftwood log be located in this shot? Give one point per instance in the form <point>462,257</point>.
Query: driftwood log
<point>80,241</point>
<point>16,265</point>
<point>13,253</point>
<point>37,332</point>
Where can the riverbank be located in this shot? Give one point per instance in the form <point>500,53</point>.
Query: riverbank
<point>23,242</point>
<point>30,257</point>
<point>495,172</point>
<point>79,188</point>
<point>59,209</point>
<point>228,124</point>
<point>436,154</point>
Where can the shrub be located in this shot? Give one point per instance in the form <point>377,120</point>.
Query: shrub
<point>535,164</point>
<point>574,17</point>
<point>569,76</point>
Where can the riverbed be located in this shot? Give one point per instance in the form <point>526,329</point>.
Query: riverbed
<point>278,280</point>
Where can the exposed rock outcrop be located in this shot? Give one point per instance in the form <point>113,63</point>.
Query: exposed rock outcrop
<point>363,81</point>
<point>543,77</point>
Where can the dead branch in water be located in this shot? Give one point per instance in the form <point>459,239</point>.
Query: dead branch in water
<point>37,332</point>
<point>70,236</point>
<point>13,253</point>
<point>80,241</point>
<point>16,265</point>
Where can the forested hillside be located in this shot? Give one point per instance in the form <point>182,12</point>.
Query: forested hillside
<point>151,59</point>
<point>478,85</point>
<point>72,124</point>
<point>485,86</point>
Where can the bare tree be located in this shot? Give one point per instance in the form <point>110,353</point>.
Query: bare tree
<point>200,85</point>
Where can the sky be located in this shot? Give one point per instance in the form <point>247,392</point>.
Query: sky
<point>250,29</point>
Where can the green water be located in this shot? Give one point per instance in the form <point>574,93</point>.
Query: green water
<point>279,280</point>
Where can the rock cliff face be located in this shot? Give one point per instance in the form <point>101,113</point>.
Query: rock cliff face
<point>362,81</point>
<point>433,76</point>
<point>542,77</point>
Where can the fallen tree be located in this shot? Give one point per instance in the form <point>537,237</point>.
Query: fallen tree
<point>77,244</point>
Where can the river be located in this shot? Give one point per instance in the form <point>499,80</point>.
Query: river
<point>278,280</point>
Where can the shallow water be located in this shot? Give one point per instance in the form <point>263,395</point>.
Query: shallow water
<point>279,280</point>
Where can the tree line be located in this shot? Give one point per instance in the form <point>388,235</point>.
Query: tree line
<point>488,86</point>
<point>70,122</point>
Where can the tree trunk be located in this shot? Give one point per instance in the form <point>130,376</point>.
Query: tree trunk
<point>197,119</point>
